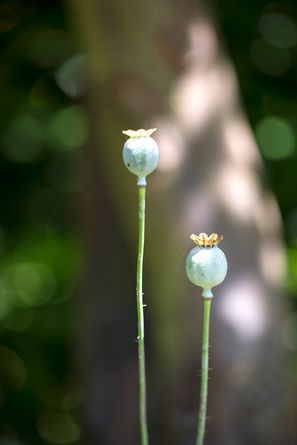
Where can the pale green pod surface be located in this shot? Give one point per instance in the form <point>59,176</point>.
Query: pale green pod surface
<point>206,267</point>
<point>141,155</point>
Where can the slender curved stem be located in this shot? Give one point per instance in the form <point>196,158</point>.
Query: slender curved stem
<point>204,371</point>
<point>140,316</point>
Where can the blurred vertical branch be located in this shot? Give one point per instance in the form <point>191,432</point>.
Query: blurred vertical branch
<point>161,63</point>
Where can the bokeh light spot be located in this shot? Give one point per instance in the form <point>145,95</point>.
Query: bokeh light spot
<point>269,59</point>
<point>69,127</point>
<point>71,76</point>
<point>29,283</point>
<point>275,138</point>
<point>35,283</point>
<point>278,29</point>
<point>57,427</point>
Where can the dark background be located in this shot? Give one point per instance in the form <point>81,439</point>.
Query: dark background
<point>44,131</point>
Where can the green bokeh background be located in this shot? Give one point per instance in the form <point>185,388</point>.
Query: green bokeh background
<point>43,128</point>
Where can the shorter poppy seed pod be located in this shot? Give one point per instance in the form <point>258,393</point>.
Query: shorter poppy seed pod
<point>141,153</point>
<point>206,264</point>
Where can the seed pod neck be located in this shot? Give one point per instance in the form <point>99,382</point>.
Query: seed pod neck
<point>141,181</point>
<point>206,294</point>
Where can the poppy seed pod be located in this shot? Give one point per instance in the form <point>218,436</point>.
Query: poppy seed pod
<point>206,264</point>
<point>141,153</point>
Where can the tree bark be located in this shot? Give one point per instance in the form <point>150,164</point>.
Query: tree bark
<point>162,64</point>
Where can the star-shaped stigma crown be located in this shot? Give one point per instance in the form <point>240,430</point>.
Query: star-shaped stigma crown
<point>204,240</point>
<point>139,133</point>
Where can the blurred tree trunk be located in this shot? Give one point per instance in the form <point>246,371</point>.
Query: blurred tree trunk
<point>161,64</point>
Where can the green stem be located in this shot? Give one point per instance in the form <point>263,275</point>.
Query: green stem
<point>140,316</point>
<point>204,371</point>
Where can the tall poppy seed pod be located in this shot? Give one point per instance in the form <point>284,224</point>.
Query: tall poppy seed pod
<point>141,157</point>
<point>141,153</point>
<point>206,264</point>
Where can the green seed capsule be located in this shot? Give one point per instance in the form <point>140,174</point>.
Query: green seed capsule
<point>140,153</point>
<point>206,264</point>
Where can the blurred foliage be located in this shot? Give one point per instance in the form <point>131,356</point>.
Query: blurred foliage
<point>42,128</point>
